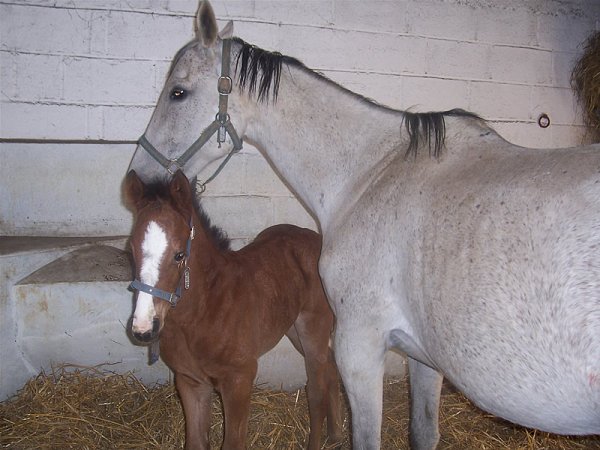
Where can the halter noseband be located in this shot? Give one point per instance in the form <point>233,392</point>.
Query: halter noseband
<point>171,297</point>
<point>221,125</point>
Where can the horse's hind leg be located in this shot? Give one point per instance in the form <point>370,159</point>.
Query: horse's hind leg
<point>310,335</point>
<point>425,389</point>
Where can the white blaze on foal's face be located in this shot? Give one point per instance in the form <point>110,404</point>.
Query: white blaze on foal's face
<point>154,246</point>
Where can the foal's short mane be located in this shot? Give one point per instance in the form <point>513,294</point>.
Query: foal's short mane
<point>158,191</point>
<point>259,72</point>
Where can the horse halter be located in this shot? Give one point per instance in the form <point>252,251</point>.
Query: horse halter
<point>171,297</point>
<point>221,125</point>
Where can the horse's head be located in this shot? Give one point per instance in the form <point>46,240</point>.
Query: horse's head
<point>160,242</point>
<point>191,104</point>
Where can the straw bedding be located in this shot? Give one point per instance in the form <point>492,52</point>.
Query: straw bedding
<point>585,81</point>
<point>90,408</point>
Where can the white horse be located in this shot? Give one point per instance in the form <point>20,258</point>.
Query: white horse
<point>477,258</point>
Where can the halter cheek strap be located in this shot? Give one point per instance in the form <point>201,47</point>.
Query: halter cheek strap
<point>221,125</point>
<point>171,297</point>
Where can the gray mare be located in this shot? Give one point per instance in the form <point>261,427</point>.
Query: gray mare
<point>477,258</point>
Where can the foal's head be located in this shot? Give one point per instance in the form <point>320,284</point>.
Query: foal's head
<point>160,245</point>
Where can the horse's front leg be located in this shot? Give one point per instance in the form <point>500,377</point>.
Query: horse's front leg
<point>425,390</point>
<point>359,352</point>
<point>236,389</point>
<point>196,398</point>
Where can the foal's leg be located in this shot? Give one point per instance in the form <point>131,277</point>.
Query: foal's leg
<point>310,335</point>
<point>359,352</point>
<point>196,399</point>
<point>236,388</point>
<point>425,389</point>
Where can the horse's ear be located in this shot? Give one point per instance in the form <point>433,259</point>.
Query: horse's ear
<point>227,31</point>
<point>181,191</point>
<point>205,24</point>
<point>133,189</point>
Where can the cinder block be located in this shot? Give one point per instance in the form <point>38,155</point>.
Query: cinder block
<point>50,189</point>
<point>38,77</point>
<point>558,103</point>
<point>323,49</point>
<point>567,32</point>
<point>8,76</point>
<point>500,101</point>
<point>146,36</point>
<point>109,81</point>
<point>449,20</point>
<point>375,15</point>
<point>310,12</point>
<point>125,122</point>
<point>385,89</point>
<point>505,25</point>
<point>45,29</point>
<point>266,35</point>
<point>520,65</point>
<point>434,94</point>
<point>240,216</point>
<point>260,179</point>
<point>562,66</point>
<point>95,122</point>
<point>464,60</point>
<point>43,121</point>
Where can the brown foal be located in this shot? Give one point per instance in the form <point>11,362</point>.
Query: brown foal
<point>232,307</point>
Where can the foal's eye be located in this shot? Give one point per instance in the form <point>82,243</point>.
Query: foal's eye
<point>177,94</point>
<point>179,256</point>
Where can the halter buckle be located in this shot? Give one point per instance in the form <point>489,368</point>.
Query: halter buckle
<point>224,85</point>
<point>173,166</point>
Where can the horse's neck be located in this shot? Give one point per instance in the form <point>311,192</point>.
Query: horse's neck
<point>326,143</point>
<point>205,257</point>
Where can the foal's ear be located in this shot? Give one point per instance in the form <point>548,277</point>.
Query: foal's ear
<point>205,24</point>
<point>181,191</point>
<point>133,189</point>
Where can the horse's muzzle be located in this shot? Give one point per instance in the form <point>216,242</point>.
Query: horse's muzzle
<point>148,336</point>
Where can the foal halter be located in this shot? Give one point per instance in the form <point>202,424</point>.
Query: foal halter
<point>171,297</point>
<point>221,125</point>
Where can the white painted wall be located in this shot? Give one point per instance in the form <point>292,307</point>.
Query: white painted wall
<point>93,69</point>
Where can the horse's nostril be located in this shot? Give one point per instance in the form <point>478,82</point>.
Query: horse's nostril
<point>144,337</point>
<point>155,325</point>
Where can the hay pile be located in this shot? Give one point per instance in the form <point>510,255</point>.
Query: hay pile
<point>585,81</point>
<point>86,408</point>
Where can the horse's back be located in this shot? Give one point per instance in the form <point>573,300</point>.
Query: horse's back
<point>283,262</point>
<point>287,239</point>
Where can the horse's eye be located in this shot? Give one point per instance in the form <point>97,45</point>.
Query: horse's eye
<point>177,94</point>
<point>179,256</point>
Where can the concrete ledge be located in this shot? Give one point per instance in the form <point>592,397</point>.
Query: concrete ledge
<point>65,301</point>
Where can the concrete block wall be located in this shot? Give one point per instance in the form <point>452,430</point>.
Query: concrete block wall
<point>92,70</point>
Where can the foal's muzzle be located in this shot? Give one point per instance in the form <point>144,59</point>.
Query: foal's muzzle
<point>148,336</point>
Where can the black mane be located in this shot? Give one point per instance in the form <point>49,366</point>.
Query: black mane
<point>159,191</point>
<point>259,72</point>
<point>431,128</point>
